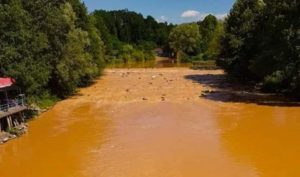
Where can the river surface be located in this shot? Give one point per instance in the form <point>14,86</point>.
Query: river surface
<point>154,123</point>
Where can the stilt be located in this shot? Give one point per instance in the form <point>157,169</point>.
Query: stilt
<point>9,122</point>
<point>22,117</point>
<point>13,106</point>
<point>15,122</point>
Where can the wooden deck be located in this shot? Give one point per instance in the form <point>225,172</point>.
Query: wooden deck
<point>12,111</point>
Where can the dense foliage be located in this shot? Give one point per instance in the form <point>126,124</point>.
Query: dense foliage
<point>185,39</point>
<point>197,41</point>
<point>49,47</point>
<point>211,31</point>
<point>262,43</point>
<point>129,36</point>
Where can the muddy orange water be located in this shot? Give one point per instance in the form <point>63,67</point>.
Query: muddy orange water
<point>152,123</point>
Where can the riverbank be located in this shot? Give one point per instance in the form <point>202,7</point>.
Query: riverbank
<point>36,108</point>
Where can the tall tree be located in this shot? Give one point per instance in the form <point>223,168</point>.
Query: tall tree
<point>261,42</point>
<point>278,41</point>
<point>184,38</point>
<point>48,45</point>
<point>207,29</point>
<point>214,44</point>
<point>237,43</point>
<point>22,48</point>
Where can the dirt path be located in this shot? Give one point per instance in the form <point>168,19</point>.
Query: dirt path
<point>153,123</point>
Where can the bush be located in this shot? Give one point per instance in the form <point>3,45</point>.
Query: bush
<point>138,56</point>
<point>149,55</point>
<point>274,81</point>
<point>43,101</point>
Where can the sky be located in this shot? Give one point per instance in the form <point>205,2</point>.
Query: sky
<point>172,11</point>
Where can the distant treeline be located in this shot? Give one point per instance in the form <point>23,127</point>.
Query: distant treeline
<point>128,36</point>
<point>262,44</point>
<point>197,41</point>
<point>131,27</point>
<point>124,31</point>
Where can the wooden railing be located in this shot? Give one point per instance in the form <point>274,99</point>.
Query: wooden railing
<point>12,103</point>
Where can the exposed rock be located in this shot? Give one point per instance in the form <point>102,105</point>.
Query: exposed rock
<point>5,137</point>
<point>14,133</point>
<point>203,95</point>
<point>206,91</point>
<point>34,107</point>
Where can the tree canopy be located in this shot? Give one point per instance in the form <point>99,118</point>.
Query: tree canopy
<point>261,43</point>
<point>49,46</point>
<point>185,38</point>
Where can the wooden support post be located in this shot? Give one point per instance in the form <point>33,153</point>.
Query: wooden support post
<point>9,122</point>
<point>0,126</point>
<point>15,122</point>
<point>22,117</point>
<point>6,95</point>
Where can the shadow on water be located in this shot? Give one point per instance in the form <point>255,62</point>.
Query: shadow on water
<point>221,89</point>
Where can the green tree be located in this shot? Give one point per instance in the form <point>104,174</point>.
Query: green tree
<point>184,38</point>
<point>82,17</point>
<point>277,61</point>
<point>261,43</point>
<point>207,30</point>
<point>238,44</point>
<point>130,27</point>
<point>214,45</point>
<point>49,46</point>
<point>22,48</point>
<point>76,64</point>
<point>96,46</point>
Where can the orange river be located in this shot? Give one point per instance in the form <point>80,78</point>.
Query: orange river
<point>154,123</point>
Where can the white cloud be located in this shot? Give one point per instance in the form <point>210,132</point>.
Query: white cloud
<point>194,15</point>
<point>190,14</point>
<point>221,16</point>
<point>162,19</point>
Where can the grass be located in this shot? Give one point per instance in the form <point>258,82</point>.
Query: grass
<point>43,102</point>
<point>14,131</point>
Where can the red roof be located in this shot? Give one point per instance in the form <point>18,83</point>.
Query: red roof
<point>6,82</point>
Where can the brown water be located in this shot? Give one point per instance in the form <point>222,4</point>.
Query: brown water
<point>152,123</point>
